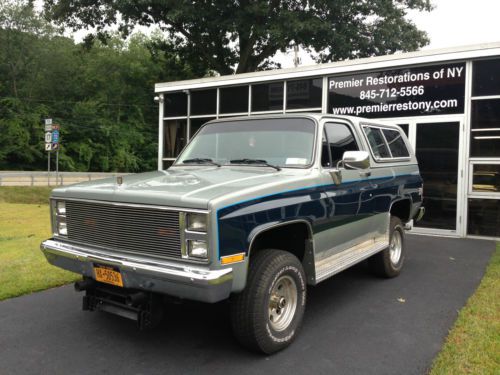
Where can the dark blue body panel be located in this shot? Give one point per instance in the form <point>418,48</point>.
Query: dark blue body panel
<point>323,206</point>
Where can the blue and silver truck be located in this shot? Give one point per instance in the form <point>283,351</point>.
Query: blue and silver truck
<point>254,210</point>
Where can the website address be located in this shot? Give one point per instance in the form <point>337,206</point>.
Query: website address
<point>428,106</point>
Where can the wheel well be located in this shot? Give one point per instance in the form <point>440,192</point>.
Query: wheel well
<point>401,209</point>
<point>289,237</point>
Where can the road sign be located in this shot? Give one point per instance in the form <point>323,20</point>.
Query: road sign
<point>55,126</point>
<point>48,146</point>
<point>48,137</point>
<point>48,121</point>
<point>48,128</point>
<point>55,136</point>
<point>55,146</point>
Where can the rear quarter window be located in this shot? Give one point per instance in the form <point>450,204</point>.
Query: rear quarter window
<point>377,142</point>
<point>396,143</point>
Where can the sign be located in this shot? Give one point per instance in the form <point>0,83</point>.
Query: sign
<point>55,146</point>
<point>48,128</point>
<point>48,146</point>
<point>48,137</point>
<point>430,90</point>
<point>55,136</point>
<point>48,121</point>
<point>55,127</point>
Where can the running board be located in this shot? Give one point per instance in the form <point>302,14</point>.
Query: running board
<point>338,262</point>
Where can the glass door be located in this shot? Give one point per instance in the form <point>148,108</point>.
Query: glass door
<point>437,150</point>
<point>438,143</point>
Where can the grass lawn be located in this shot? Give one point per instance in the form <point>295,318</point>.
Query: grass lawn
<point>23,268</point>
<point>473,345</point>
<point>25,194</point>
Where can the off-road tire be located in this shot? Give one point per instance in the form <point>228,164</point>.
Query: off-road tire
<point>381,263</point>
<point>250,309</point>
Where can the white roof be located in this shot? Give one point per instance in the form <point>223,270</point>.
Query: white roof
<point>370,63</point>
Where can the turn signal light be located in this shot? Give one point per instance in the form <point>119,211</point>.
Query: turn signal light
<point>232,258</point>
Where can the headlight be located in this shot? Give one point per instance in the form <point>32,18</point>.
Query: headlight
<point>62,229</point>
<point>59,218</point>
<point>61,207</point>
<point>196,222</point>
<point>197,249</point>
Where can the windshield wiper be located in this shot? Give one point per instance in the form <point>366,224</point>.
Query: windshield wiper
<point>201,161</point>
<point>254,161</point>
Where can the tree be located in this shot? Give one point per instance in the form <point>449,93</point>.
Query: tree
<point>240,36</point>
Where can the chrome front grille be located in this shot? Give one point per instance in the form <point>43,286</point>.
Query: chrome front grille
<point>125,229</point>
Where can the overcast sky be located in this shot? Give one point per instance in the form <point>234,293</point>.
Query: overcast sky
<point>451,23</point>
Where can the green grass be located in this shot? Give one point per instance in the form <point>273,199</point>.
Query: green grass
<point>473,345</point>
<point>25,194</point>
<point>23,268</point>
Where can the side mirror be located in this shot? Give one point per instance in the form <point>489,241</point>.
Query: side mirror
<point>356,159</point>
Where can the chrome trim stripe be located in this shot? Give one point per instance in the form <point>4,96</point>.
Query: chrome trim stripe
<point>172,271</point>
<point>135,205</point>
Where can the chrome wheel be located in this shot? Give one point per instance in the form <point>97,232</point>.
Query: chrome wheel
<point>282,303</point>
<point>395,247</point>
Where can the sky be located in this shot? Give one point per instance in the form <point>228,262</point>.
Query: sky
<point>452,23</point>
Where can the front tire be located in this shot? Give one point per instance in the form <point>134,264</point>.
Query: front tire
<point>268,314</point>
<point>389,262</point>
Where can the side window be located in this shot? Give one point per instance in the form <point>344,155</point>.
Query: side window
<point>377,143</point>
<point>339,140</point>
<point>396,143</point>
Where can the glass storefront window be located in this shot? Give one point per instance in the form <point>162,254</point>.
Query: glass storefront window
<point>203,102</point>
<point>485,114</point>
<point>485,78</point>
<point>196,124</point>
<point>486,178</point>
<point>305,93</point>
<point>175,104</point>
<point>174,137</point>
<point>484,216</point>
<point>233,99</point>
<point>485,144</point>
<point>267,97</point>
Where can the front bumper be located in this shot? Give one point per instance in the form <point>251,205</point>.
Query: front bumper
<point>185,281</point>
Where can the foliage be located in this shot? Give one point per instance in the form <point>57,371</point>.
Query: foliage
<point>473,345</point>
<point>23,268</point>
<point>100,95</point>
<point>220,34</point>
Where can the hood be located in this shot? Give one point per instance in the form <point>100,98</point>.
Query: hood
<point>190,187</point>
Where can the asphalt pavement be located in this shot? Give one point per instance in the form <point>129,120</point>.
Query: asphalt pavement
<point>355,323</point>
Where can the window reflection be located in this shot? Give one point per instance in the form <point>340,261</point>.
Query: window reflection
<point>267,97</point>
<point>486,178</point>
<point>304,93</point>
<point>485,78</point>
<point>484,216</point>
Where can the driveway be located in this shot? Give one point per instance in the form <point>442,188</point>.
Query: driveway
<point>354,324</point>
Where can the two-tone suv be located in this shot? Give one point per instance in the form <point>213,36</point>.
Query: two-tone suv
<point>253,210</point>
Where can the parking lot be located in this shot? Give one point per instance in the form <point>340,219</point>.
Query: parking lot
<point>355,323</point>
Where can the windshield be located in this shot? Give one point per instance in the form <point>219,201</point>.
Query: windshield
<point>279,142</point>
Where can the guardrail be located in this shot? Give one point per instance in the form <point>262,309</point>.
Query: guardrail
<point>50,179</point>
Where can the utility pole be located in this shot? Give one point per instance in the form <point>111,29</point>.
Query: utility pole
<point>296,58</point>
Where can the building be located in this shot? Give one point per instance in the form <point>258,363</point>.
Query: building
<point>447,101</point>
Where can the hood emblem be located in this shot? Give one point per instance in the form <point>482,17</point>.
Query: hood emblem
<point>119,180</point>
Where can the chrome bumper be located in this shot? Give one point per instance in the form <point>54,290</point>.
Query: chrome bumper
<point>185,281</point>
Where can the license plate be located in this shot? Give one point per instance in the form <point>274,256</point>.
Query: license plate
<point>109,275</point>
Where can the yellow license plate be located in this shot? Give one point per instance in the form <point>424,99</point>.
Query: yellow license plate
<point>108,275</point>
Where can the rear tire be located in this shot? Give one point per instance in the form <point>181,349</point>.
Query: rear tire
<point>267,315</point>
<point>389,262</point>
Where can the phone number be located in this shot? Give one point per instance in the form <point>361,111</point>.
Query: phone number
<point>392,93</point>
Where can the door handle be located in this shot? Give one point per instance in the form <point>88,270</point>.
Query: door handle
<point>365,174</point>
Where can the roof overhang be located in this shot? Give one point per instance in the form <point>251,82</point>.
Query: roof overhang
<point>348,66</point>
